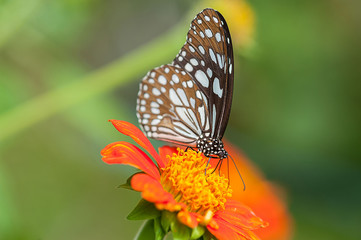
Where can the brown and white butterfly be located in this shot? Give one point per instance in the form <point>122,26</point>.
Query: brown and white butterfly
<point>188,102</point>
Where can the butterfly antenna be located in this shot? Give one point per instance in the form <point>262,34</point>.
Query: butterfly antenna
<point>229,179</point>
<point>244,185</point>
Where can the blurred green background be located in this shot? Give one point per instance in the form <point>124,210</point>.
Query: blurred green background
<point>66,67</point>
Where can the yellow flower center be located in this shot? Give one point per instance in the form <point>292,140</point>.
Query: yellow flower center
<point>184,177</point>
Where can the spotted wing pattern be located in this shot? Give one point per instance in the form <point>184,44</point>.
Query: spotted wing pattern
<point>171,107</point>
<point>207,56</point>
<point>191,98</point>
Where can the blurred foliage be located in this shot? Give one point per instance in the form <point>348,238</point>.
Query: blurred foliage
<point>296,109</point>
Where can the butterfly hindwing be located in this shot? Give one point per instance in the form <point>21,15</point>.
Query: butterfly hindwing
<point>171,107</point>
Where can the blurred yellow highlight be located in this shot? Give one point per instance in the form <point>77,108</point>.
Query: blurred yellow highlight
<point>240,19</point>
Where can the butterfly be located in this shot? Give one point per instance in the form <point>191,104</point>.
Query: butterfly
<point>188,101</point>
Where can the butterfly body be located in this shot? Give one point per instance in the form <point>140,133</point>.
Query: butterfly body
<point>188,102</point>
<point>211,147</point>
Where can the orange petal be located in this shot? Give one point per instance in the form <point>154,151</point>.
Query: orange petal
<point>187,218</point>
<point>227,230</point>
<point>223,231</point>
<point>138,136</point>
<point>166,151</point>
<point>151,189</point>
<point>127,153</point>
<point>240,216</point>
<point>261,196</point>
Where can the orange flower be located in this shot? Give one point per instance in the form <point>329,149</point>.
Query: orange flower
<point>178,186</point>
<point>262,196</point>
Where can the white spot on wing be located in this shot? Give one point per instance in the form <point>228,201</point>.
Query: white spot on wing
<point>216,88</point>
<point>202,114</point>
<point>162,80</point>
<point>218,37</point>
<point>174,97</point>
<point>213,118</point>
<point>209,33</point>
<point>154,104</point>
<point>155,121</point>
<point>193,102</point>
<point>213,57</point>
<point>209,72</point>
<point>190,83</point>
<point>156,91</point>
<point>183,96</point>
<point>188,67</point>
<point>155,110</point>
<point>219,61</point>
<point>201,49</point>
<point>175,78</point>
<point>202,78</point>
<point>194,62</point>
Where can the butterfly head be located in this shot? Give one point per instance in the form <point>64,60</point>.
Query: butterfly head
<point>211,147</point>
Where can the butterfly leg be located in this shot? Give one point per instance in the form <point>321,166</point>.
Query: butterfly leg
<point>218,166</point>
<point>188,147</point>
<point>205,170</point>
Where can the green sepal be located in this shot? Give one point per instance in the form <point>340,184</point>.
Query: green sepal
<point>166,219</point>
<point>197,232</point>
<point>158,230</point>
<point>180,231</point>
<point>146,231</point>
<point>208,236</point>
<point>144,210</point>
<point>127,184</point>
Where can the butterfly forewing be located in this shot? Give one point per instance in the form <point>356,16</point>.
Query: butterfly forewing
<point>171,107</point>
<point>207,56</point>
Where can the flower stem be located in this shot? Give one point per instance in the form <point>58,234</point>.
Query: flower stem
<point>13,15</point>
<point>116,74</point>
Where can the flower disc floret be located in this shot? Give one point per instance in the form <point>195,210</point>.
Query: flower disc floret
<point>188,179</point>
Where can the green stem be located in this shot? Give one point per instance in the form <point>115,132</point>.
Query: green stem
<point>13,15</point>
<point>130,66</point>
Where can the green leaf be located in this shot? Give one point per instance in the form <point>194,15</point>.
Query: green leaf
<point>127,184</point>
<point>180,231</point>
<point>197,232</point>
<point>144,210</point>
<point>146,231</point>
<point>158,230</point>
<point>166,219</point>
